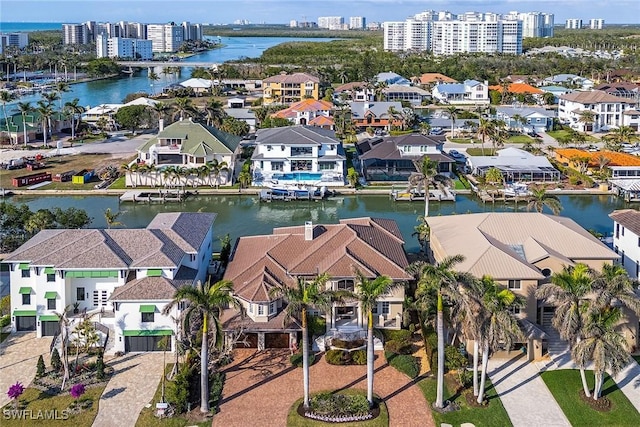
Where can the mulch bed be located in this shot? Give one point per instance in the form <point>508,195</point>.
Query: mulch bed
<point>601,405</point>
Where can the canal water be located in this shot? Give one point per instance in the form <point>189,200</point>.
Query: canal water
<point>241,215</point>
<point>113,91</point>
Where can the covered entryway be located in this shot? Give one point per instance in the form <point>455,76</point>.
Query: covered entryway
<point>25,320</point>
<point>276,340</point>
<point>147,340</point>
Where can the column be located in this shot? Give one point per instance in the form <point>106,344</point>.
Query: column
<point>332,315</point>
<point>260,341</point>
<point>359,315</point>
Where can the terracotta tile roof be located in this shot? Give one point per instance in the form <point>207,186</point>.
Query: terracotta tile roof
<point>322,121</point>
<point>231,319</point>
<point>428,78</point>
<point>595,97</point>
<point>629,218</point>
<point>350,86</point>
<point>305,105</point>
<point>373,246</point>
<point>518,88</point>
<point>615,158</point>
<point>294,78</point>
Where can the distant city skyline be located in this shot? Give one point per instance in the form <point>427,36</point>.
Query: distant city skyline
<point>283,11</point>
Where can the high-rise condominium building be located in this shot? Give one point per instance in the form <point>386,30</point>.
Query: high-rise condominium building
<point>331,22</point>
<point>192,31</point>
<point>75,34</point>
<point>596,24</point>
<point>123,47</point>
<point>18,40</point>
<point>406,35</point>
<point>357,23</point>
<point>165,37</point>
<point>573,24</point>
<point>534,24</point>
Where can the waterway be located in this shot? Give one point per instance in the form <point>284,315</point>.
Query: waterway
<point>116,89</point>
<point>244,215</point>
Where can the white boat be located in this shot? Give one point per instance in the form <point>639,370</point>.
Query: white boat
<point>517,189</point>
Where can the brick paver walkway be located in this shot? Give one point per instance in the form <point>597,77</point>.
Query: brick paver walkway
<point>18,358</point>
<point>135,381</point>
<point>261,387</point>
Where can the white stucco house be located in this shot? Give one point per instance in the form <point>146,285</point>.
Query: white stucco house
<point>609,111</point>
<point>123,278</point>
<point>469,92</point>
<point>298,155</point>
<point>626,239</point>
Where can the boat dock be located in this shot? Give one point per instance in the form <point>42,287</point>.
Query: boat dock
<point>290,194</point>
<point>157,196</point>
<point>438,195</point>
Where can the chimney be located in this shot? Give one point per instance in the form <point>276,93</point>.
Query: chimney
<point>160,125</point>
<point>308,230</point>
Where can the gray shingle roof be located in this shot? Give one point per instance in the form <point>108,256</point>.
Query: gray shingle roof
<point>292,135</point>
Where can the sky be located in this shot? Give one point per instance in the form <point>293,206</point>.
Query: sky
<point>283,11</point>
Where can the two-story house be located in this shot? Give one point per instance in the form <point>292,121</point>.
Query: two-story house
<point>392,158</point>
<point>185,144</point>
<point>526,119</point>
<point>307,112</point>
<point>608,111</point>
<point>123,278</point>
<point>298,155</point>
<point>520,251</point>
<point>469,92</point>
<point>258,263</point>
<point>375,115</point>
<point>289,88</point>
<point>354,91</point>
<point>626,239</point>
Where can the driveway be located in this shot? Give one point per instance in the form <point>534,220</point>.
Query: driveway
<point>524,394</point>
<point>260,388</point>
<point>18,358</point>
<point>132,386</point>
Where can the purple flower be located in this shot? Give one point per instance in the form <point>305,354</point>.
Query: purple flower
<point>15,390</point>
<point>77,390</point>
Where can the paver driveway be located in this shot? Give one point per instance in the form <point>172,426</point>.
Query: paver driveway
<point>18,358</point>
<point>135,381</point>
<point>261,387</point>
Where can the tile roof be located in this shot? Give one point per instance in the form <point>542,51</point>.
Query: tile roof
<point>146,288</point>
<point>615,158</point>
<point>294,78</point>
<point>308,105</point>
<point>197,139</point>
<point>629,218</point>
<point>322,121</point>
<point>595,97</point>
<point>374,246</point>
<point>350,86</point>
<point>505,245</point>
<point>518,88</point>
<point>296,135</point>
<point>231,319</point>
<point>377,108</point>
<point>428,78</point>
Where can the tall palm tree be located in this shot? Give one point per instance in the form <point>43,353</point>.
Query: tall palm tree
<point>485,130</point>
<point>216,168</point>
<point>601,345</point>
<point>300,298</point>
<point>422,232</point>
<point>587,117</point>
<point>63,327</point>
<point>206,303</point>
<point>25,108</point>
<point>214,113</point>
<point>499,327</point>
<point>160,110</point>
<point>437,277</point>
<point>244,178</point>
<point>568,290</point>
<point>45,110</point>
<point>369,293</point>
<point>5,98</point>
<point>111,218</point>
<point>453,115</point>
<point>427,170</point>
<point>154,78</point>
<point>61,87</point>
<point>611,284</point>
<point>540,198</point>
<point>621,135</point>
<point>184,107</point>
<point>74,110</point>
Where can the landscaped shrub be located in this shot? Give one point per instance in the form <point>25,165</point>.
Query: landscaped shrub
<point>216,383</point>
<point>296,359</point>
<point>359,357</point>
<point>339,405</point>
<point>317,325</point>
<point>334,357</point>
<point>347,345</point>
<point>404,363</point>
<point>396,334</point>
<point>5,320</point>
<point>342,357</point>
<point>178,389</point>
<point>40,368</point>
<point>56,363</point>
<point>431,347</point>
<point>100,367</point>
<point>398,346</point>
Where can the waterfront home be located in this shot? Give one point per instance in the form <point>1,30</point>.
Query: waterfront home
<point>622,165</point>
<point>622,89</point>
<point>413,95</point>
<point>258,263</point>
<point>427,80</point>
<point>516,165</point>
<point>469,92</point>
<point>520,251</point>
<point>123,278</point>
<point>522,89</point>
<point>626,239</point>
<point>526,119</point>
<point>569,80</point>
<point>390,78</point>
<point>354,91</point>
<point>306,111</point>
<point>13,128</point>
<point>198,85</point>
<point>185,144</point>
<point>608,111</point>
<point>392,158</point>
<point>376,115</point>
<point>298,155</point>
<point>107,112</point>
<point>289,88</point>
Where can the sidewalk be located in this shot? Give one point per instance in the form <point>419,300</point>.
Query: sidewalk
<point>524,395</point>
<point>629,383</point>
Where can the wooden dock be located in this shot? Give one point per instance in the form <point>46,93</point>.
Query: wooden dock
<point>287,195</point>
<point>153,196</point>
<point>404,195</point>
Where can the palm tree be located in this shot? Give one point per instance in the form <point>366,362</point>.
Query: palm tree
<point>6,97</point>
<point>25,108</point>
<point>611,284</point>
<point>74,110</point>
<point>184,107</point>
<point>439,277</point>
<point>485,129</point>
<point>494,176</point>
<point>160,110</point>
<point>453,115</point>
<point>601,345</point>
<point>206,303</point>
<point>216,168</point>
<point>392,115</point>
<point>422,232</point>
<point>111,218</point>
<point>214,113</point>
<point>244,178</point>
<point>427,170</point>
<point>369,293</point>
<point>154,78</point>
<point>587,117</point>
<point>61,87</point>
<point>621,135</point>
<point>568,290</point>
<point>540,198</point>
<point>45,110</point>
<point>300,298</point>
<point>63,326</point>
<point>520,120</point>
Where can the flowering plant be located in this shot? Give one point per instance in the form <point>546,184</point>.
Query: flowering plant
<point>15,391</point>
<point>77,390</point>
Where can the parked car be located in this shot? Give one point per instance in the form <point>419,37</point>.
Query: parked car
<point>436,131</point>
<point>457,156</point>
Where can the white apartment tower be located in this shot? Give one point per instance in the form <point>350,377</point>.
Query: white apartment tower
<point>534,24</point>
<point>18,40</point>
<point>357,23</point>
<point>331,22</point>
<point>191,31</point>
<point>573,24</point>
<point>596,24</point>
<point>165,37</point>
<point>485,35</point>
<point>102,46</point>
<point>75,34</point>
<point>123,47</point>
<point>406,35</point>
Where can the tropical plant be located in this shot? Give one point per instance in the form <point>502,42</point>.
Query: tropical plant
<point>352,177</point>
<point>453,115</point>
<point>485,130</point>
<point>422,232</point>
<point>25,108</point>
<point>153,77</point>
<point>184,107</point>
<point>244,178</point>
<point>206,303</point>
<point>541,199</point>
<point>612,284</point>
<point>45,110</point>
<point>587,117</point>
<point>214,113</point>
<point>369,293</point>
<point>5,98</point>
<point>494,176</point>
<point>301,297</point>
<point>14,393</point>
<point>111,218</point>
<point>215,169</point>
<point>74,110</point>
<point>427,172</point>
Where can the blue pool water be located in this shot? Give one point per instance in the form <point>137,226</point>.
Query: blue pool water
<point>298,176</point>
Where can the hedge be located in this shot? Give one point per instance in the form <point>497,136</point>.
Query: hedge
<point>296,359</point>
<point>404,363</point>
<point>341,357</point>
<point>396,334</point>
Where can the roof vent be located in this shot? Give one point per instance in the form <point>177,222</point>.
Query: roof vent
<point>308,230</point>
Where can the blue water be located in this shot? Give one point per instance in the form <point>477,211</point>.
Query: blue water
<point>12,27</point>
<point>113,91</point>
<point>298,176</point>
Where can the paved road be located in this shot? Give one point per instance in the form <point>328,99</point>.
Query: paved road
<point>132,386</point>
<point>18,358</point>
<point>524,394</point>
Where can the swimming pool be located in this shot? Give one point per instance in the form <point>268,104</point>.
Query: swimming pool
<point>297,176</point>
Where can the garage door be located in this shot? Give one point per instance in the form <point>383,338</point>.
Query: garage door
<point>276,340</point>
<point>26,323</point>
<point>248,341</point>
<point>49,328</point>
<point>150,343</point>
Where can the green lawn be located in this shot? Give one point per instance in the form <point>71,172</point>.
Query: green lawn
<point>488,151</point>
<point>4,335</point>
<point>118,184</point>
<point>565,386</point>
<point>519,139</point>
<point>464,140</point>
<point>36,400</point>
<point>492,415</point>
<point>295,420</point>
<point>555,134</point>
<point>458,185</point>
<point>637,357</point>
